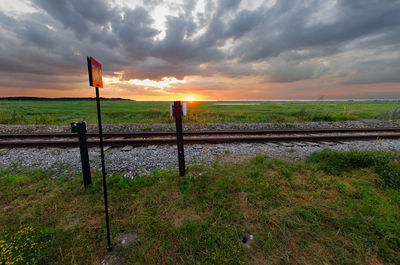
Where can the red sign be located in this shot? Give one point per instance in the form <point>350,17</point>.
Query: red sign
<point>95,74</point>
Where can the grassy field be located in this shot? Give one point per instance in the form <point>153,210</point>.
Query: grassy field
<point>51,112</point>
<point>334,208</point>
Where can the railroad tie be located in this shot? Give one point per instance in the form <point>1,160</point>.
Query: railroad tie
<point>127,148</point>
<point>312,144</point>
<point>285,144</point>
<point>327,143</point>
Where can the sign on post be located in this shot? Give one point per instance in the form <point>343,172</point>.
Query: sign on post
<point>184,109</point>
<point>95,73</point>
<point>96,80</point>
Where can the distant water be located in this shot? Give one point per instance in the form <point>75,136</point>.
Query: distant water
<point>310,100</point>
<point>236,104</point>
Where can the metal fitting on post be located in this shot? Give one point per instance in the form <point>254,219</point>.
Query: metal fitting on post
<point>177,108</point>
<point>78,127</point>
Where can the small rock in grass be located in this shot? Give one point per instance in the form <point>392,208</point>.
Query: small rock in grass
<point>7,208</point>
<point>126,240</point>
<point>246,240</point>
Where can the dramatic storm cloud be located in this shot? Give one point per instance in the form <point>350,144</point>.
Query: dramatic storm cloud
<point>212,49</point>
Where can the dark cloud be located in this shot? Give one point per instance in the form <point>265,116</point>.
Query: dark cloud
<point>77,14</point>
<point>286,42</point>
<point>39,35</point>
<point>244,22</point>
<point>286,27</point>
<point>134,32</point>
<point>375,72</point>
<point>289,72</point>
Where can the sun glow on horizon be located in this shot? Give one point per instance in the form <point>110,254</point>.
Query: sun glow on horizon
<point>190,98</point>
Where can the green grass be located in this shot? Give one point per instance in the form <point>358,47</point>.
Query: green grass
<point>385,164</point>
<point>51,112</point>
<point>299,213</point>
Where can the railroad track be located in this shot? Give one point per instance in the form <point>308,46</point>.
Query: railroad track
<point>201,137</point>
<point>196,133</point>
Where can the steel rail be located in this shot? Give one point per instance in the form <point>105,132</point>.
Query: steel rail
<point>196,133</point>
<point>199,140</point>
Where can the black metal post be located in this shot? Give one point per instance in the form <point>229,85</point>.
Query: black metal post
<point>80,128</point>
<point>103,169</point>
<point>177,109</point>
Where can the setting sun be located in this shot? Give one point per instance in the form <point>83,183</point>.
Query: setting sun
<point>190,98</point>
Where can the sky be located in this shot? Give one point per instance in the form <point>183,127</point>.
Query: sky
<point>206,49</point>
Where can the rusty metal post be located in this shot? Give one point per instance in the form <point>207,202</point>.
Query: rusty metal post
<point>178,112</point>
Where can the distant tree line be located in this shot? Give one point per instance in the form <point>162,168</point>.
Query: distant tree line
<point>59,99</point>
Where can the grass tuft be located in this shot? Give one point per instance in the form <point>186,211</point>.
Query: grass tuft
<point>384,163</point>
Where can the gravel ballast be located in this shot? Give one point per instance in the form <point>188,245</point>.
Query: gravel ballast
<point>10,128</point>
<point>143,160</point>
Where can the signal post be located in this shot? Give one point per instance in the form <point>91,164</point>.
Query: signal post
<point>178,109</point>
<point>96,80</point>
